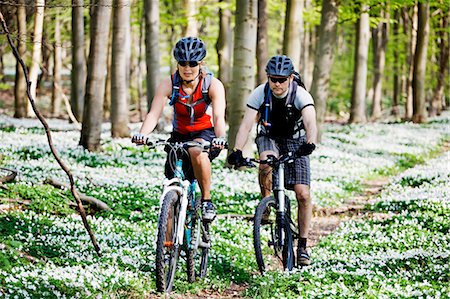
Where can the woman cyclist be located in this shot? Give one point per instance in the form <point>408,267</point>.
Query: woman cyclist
<point>198,100</point>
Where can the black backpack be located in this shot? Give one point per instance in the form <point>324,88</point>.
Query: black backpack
<point>291,110</point>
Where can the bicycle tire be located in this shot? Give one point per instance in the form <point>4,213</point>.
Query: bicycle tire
<point>288,246</point>
<point>192,254</point>
<point>205,251</point>
<point>167,255</point>
<point>258,227</point>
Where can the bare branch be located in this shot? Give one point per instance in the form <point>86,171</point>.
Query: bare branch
<point>49,139</point>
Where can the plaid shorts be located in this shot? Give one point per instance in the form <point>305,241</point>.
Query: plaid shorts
<point>297,172</point>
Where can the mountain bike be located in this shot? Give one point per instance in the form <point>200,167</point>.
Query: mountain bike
<point>273,221</point>
<point>180,226</point>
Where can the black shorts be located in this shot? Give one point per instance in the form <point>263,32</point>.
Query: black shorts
<point>297,172</point>
<point>207,135</point>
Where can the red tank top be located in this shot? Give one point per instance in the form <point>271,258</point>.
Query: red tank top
<point>191,117</point>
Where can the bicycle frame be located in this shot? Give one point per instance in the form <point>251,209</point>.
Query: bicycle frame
<point>183,188</point>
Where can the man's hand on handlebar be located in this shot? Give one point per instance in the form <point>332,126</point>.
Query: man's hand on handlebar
<point>237,160</point>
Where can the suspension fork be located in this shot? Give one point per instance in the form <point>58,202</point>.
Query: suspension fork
<point>191,217</point>
<point>279,193</point>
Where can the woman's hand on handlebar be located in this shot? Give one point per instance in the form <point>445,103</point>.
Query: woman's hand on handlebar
<point>219,142</point>
<point>138,139</point>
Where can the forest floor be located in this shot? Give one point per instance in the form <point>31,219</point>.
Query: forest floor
<point>356,168</point>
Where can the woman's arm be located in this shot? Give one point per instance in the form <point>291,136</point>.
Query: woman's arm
<point>163,91</point>
<point>217,95</point>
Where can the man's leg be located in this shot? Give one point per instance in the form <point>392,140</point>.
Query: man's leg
<point>265,174</point>
<point>303,196</point>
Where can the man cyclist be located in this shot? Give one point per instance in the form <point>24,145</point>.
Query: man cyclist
<point>287,122</point>
<point>198,100</point>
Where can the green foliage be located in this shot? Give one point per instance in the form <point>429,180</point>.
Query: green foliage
<point>44,198</point>
<point>407,160</point>
<point>33,152</point>
<point>129,203</point>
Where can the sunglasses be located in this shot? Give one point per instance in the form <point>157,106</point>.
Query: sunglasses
<point>279,80</point>
<point>186,63</point>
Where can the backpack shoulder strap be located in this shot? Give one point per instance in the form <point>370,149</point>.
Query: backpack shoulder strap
<point>267,106</point>
<point>207,79</point>
<point>175,88</point>
<point>299,80</point>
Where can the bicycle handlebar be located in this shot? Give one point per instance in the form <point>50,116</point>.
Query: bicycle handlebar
<point>271,160</point>
<point>205,146</point>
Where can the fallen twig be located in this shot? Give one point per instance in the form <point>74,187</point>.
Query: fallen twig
<point>10,177</point>
<point>97,203</point>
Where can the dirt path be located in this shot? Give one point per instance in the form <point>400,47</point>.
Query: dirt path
<point>327,220</point>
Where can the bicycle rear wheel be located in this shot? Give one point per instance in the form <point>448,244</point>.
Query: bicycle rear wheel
<point>167,252</point>
<point>205,250</point>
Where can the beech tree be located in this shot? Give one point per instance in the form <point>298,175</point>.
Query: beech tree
<point>243,63</point>
<point>120,69</point>
<point>96,68</point>
<point>358,105</point>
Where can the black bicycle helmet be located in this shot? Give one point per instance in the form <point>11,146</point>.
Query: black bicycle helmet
<point>280,65</point>
<point>189,49</point>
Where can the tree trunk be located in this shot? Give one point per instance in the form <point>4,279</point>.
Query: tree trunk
<point>78,75</point>
<point>223,45</point>
<point>20,86</point>
<point>438,94</point>
<point>410,28</point>
<point>420,60</point>
<point>135,88</point>
<point>107,100</point>
<point>324,58</point>
<point>305,69</point>
<point>2,65</point>
<point>358,106</point>
<point>397,68</point>
<point>37,48</point>
<point>95,84</point>
<point>57,66</point>
<point>292,31</point>
<point>243,63</point>
<point>151,8</point>
<point>262,47</point>
<point>190,10</point>
<point>120,69</point>
<point>380,39</point>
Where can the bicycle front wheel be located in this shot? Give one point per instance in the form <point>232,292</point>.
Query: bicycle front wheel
<point>167,252</point>
<point>265,236</point>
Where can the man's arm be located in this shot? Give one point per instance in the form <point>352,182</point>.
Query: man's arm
<point>217,95</point>
<point>163,91</point>
<point>249,119</point>
<point>309,120</point>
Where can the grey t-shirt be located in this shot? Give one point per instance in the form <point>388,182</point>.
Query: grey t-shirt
<point>302,100</point>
